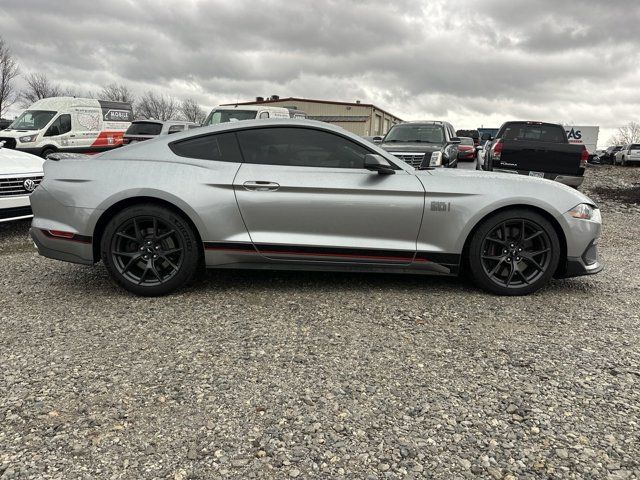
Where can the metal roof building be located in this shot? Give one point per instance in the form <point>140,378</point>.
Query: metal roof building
<point>363,119</point>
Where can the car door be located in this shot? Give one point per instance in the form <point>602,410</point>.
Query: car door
<point>59,132</point>
<point>305,195</point>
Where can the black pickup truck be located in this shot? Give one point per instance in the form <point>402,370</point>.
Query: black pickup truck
<point>536,149</point>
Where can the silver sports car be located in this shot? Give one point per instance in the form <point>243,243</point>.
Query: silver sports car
<point>298,194</point>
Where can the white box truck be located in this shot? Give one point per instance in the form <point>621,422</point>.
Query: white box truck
<point>68,124</point>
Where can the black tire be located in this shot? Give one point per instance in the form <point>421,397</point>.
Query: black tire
<point>504,261</point>
<point>150,250</point>
<point>47,151</point>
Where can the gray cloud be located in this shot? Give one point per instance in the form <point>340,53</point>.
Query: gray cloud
<point>471,62</point>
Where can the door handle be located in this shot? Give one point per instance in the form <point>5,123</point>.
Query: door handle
<point>261,186</point>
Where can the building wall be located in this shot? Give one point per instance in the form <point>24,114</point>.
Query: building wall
<point>362,128</point>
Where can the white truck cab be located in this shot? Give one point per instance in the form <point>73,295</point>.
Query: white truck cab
<point>223,114</point>
<point>68,124</point>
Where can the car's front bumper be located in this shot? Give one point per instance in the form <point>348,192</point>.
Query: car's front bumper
<point>582,246</point>
<point>15,208</point>
<point>587,264</point>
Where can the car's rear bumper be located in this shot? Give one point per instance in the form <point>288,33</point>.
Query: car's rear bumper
<point>77,249</point>
<point>570,180</point>
<point>59,231</point>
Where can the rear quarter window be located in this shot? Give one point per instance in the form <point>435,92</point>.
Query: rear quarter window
<point>222,147</point>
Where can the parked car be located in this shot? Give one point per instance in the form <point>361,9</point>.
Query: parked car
<point>224,114</point>
<point>627,154</point>
<point>68,124</point>
<point>473,134</point>
<point>304,195</point>
<point>374,138</point>
<point>20,174</point>
<point>466,149</point>
<point>536,149</point>
<point>141,130</point>
<point>423,144</point>
<point>609,154</point>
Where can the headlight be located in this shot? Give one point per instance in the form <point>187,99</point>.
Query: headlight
<point>582,211</point>
<point>436,159</point>
<point>28,138</point>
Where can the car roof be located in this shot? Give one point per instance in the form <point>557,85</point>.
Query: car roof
<point>157,144</point>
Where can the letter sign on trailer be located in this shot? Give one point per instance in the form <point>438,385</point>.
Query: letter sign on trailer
<point>580,135</point>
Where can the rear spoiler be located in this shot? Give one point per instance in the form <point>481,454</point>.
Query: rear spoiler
<point>56,157</point>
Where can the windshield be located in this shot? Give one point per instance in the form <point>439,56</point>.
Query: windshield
<point>416,134</point>
<point>466,141</point>
<point>144,128</point>
<point>223,116</point>
<point>32,120</point>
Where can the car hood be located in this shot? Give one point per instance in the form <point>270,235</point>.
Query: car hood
<point>16,162</point>
<point>411,147</point>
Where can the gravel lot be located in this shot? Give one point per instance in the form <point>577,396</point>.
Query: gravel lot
<point>310,375</point>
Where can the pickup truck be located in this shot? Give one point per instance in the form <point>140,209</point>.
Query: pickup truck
<point>536,149</point>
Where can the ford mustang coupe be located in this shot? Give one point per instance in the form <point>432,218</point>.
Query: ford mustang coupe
<point>304,195</point>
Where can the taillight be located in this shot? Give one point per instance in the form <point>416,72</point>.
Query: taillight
<point>61,234</point>
<point>496,150</point>
<point>584,158</point>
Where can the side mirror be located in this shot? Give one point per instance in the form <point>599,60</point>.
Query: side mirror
<point>454,141</point>
<point>377,139</point>
<point>377,163</point>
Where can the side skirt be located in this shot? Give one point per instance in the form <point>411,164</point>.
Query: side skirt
<point>248,255</point>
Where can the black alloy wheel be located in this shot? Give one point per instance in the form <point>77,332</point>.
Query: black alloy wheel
<point>514,253</point>
<point>150,250</point>
<point>147,251</point>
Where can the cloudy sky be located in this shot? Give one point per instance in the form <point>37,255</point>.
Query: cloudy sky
<point>475,62</point>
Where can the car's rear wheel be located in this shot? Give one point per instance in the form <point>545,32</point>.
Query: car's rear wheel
<point>150,250</point>
<point>514,252</point>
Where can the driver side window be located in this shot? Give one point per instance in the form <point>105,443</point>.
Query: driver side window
<point>60,126</point>
<point>302,147</point>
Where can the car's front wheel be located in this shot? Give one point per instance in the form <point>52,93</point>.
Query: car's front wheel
<point>150,250</point>
<point>514,252</point>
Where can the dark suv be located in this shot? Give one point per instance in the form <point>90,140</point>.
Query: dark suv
<point>423,144</point>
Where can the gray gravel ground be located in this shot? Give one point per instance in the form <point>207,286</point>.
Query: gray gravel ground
<point>311,375</point>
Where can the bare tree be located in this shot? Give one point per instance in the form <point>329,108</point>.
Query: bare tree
<point>38,87</point>
<point>626,135</point>
<point>191,111</point>
<point>157,106</point>
<point>8,72</point>
<point>117,92</point>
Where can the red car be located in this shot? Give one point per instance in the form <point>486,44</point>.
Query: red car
<point>466,149</point>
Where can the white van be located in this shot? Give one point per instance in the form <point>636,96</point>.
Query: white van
<point>244,112</point>
<point>68,124</point>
